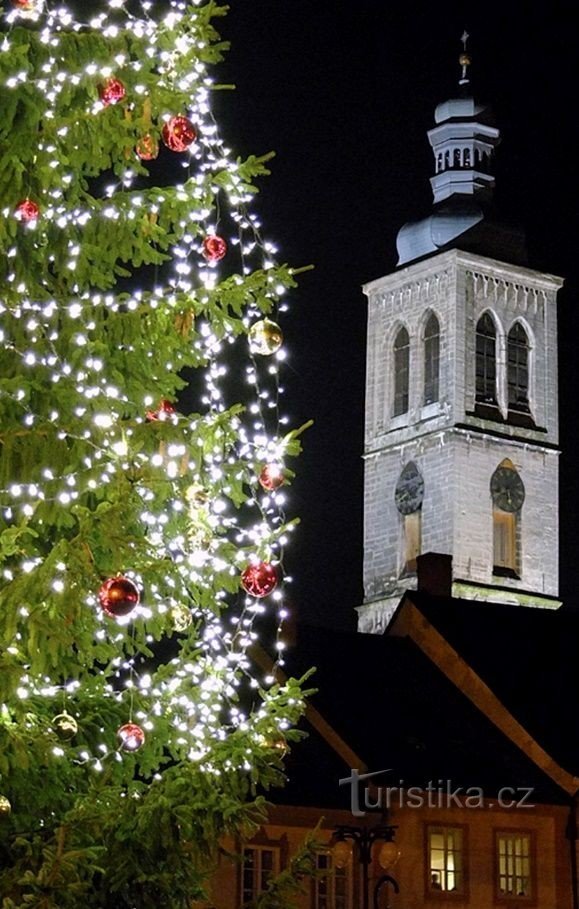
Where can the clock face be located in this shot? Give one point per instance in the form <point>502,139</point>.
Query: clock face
<point>507,489</point>
<point>409,490</point>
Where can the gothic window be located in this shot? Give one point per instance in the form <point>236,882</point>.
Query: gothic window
<point>486,361</point>
<point>431,359</point>
<point>508,495</point>
<point>401,372</point>
<point>467,158</point>
<point>408,496</point>
<point>518,368</point>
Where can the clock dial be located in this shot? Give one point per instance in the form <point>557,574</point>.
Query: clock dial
<point>409,491</point>
<point>507,489</point>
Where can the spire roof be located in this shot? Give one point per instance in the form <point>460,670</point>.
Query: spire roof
<point>463,142</point>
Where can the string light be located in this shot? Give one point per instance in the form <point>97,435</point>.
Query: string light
<point>93,485</point>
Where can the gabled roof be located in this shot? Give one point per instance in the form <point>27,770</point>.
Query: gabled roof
<point>528,657</point>
<point>395,708</point>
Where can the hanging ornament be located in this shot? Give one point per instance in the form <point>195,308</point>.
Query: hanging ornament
<point>65,726</point>
<point>265,338</point>
<point>132,737</point>
<point>147,148</point>
<point>259,579</point>
<point>179,133</point>
<point>112,91</point>
<point>214,248</point>
<point>181,617</point>
<point>279,744</point>
<point>5,807</point>
<point>29,9</point>
<point>119,596</point>
<point>27,211</point>
<point>164,411</point>
<point>271,477</point>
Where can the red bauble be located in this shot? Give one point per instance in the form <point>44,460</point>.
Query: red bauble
<point>112,91</point>
<point>147,148</point>
<point>132,737</point>
<point>27,211</point>
<point>179,133</point>
<point>119,596</point>
<point>214,248</point>
<point>163,411</point>
<point>259,579</point>
<point>271,477</point>
<point>28,6</point>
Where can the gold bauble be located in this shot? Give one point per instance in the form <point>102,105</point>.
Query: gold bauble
<point>5,807</point>
<point>265,338</point>
<point>464,60</point>
<point>65,726</point>
<point>181,617</point>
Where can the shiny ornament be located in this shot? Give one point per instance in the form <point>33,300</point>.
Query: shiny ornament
<point>132,737</point>
<point>27,211</point>
<point>279,744</point>
<point>119,596</point>
<point>259,579</point>
<point>271,477</point>
<point>112,91</point>
<point>265,338</point>
<point>147,148</point>
<point>164,411</point>
<point>5,807</point>
<point>179,133</point>
<point>214,248</point>
<point>29,9</point>
<point>181,618</point>
<point>65,726</point>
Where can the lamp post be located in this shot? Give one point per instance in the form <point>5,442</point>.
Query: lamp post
<point>363,839</point>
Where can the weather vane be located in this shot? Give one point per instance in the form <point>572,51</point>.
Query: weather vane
<point>464,59</point>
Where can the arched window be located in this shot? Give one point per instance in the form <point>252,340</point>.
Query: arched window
<point>518,368</point>
<point>401,372</point>
<point>508,495</point>
<point>486,361</point>
<point>431,359</point>
<point>408,496</point>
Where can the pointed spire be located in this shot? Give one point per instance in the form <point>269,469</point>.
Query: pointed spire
<point>464,60</point>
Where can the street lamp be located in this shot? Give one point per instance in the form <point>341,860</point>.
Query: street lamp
<point>363,839</point>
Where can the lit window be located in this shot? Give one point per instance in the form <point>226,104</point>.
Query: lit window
<point>412,540</point>
<point>401,372</point>
<point>486,361</point>
<point>333,886</point>
<point>431,359</point>
<point>514,865</point>
<point>445,860</point>
<point>518,368</point>
<point>260,863</point>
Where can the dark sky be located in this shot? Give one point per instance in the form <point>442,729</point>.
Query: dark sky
<point>344,93</point>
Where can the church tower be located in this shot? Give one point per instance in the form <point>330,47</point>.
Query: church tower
<point>461,439</point>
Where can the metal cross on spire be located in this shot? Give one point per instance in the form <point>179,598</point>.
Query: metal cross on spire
<point>464,60</point>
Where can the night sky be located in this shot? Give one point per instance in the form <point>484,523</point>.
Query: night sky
<point>344,93</point>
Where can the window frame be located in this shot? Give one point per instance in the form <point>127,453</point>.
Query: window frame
<point>259,848</point>
<point>515,346</point>
<point>482,398</point>
<point>431,353</point>
<point>461,895</point>
<point>330,877</point>
<point>502,899</point>
<point>401,374</point>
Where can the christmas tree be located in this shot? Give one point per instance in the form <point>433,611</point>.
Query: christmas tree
<point>142,517</point>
